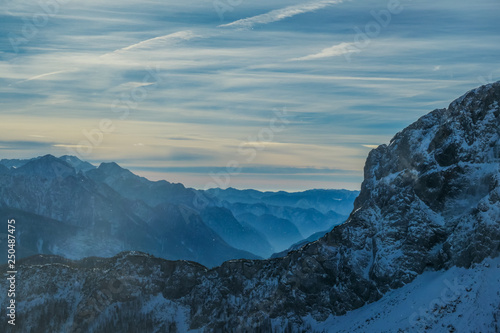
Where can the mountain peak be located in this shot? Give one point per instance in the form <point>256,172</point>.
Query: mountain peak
<point>77,163</point>
<point>110,166</point>
<point>111,170</point>
<point>47,166</point>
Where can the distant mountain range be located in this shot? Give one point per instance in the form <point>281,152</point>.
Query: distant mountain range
<point>418,253</point>
<point>285,218</point>
<point>71,208</point>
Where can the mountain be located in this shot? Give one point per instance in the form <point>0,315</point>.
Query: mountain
<point>307,220</point>
<point>428,211</point>
<point>134,187</point>
<point>77,164</point>
<point>236,232</point>
<point>278,231</point>
<point>70,208</point>
<point>321,200</point>
<point>314,237</point>
<point>219,219</point>
<point>285,218</point>
<point>102,211</point>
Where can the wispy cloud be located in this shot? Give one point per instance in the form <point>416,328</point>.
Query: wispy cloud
<point>334,51</point>
<point>152,42</point>
<point>69,146</point>
<point>252,169</point>
<point>149,43</point>
<point>24,145</point>
<point>220,85</point>
<point>42,76</point>
<point>280,14</point>
<point>189,156</point>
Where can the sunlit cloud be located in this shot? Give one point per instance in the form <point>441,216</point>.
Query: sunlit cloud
<point>70,146</point>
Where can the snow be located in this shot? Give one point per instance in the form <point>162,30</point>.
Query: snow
<point>467,300</point>
<point>164,311</point>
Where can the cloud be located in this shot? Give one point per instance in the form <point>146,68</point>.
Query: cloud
<point>41,76</point>
<point>70,146</point>
<point>185,156</point>
<point>24,145</point>
<point>174,37</point>
<point>334,51</point>
<point>255,169</point>
<point>280,14</point>
<point>219,86</point>
<point>150,43</point>
<point>180,138</point>
<point>371,146</point>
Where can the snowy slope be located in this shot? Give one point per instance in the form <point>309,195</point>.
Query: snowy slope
<point>455,300</point>
<point>428,212</point>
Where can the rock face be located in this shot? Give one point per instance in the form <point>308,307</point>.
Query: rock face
<point>430,200</point>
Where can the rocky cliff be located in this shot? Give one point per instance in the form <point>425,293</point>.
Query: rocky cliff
<point>430,201</point>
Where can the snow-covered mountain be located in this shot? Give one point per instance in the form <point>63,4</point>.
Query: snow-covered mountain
<point>65,208</point>
<point>74,209</point>
<point>424,234</point>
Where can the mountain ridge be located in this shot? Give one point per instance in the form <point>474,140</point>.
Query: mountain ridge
<point>417,212</point>
<point>111,203</point>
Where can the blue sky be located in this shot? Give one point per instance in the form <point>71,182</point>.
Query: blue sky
<point>251,94</point>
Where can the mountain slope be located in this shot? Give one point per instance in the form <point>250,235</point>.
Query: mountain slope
<point>321,200</point>
<point>279,232</point>
<point>238,234</point>
<point>285,218</point>
<point>455,300</point>
<point>64,211</point>
<point>308,221</point>
<point>110,202</point>
<point>298,245</point>
<point>134,187</point>
<point>430,201</point>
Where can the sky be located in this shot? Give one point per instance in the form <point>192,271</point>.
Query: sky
<point>281,95</point>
